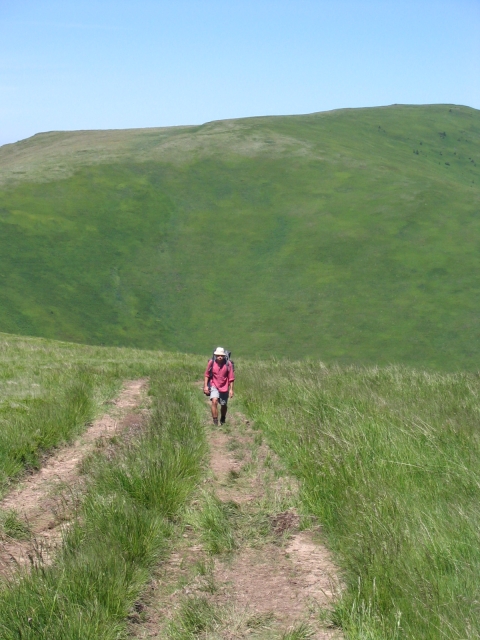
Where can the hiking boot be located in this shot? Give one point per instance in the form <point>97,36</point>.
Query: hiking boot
<point>222,420</point>
<point>215,422</point>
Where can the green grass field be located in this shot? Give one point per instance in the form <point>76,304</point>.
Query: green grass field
<point>350,236</point>
<point>130,503</point>
<point>387,460</point>
<point>49,390</point>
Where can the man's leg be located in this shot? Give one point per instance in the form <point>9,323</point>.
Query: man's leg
<point>223,407</point>
<point>214,407</point>
<point>223,413</point>
<point>214,396</point>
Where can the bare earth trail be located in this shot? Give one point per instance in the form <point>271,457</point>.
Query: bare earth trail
<point>275,580</point>
<point>44,499</point>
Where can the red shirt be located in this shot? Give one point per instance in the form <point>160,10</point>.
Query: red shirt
<point>221,375</point>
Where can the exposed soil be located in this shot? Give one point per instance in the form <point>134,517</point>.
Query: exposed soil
<point>45,500</point>
<point>278,577</point>
<point>281,583</point>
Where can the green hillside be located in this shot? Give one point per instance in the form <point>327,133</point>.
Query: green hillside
<point>350,235</point>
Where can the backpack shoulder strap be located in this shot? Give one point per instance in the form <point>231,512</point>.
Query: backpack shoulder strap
<point>210,368</point>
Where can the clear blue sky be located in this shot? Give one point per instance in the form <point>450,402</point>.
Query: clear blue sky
<point>102,64</point>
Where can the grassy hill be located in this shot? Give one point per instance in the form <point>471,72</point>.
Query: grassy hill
<point>350,235</point>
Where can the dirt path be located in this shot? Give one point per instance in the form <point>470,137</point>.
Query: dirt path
<point>246,564</point>
<point>43,502</point>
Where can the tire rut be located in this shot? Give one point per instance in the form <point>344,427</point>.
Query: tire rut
<point>45,500</point>
<point>278,578</point>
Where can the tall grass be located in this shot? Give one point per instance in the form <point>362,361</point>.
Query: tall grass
<point>123,527</point>
<point>44,422</point>
<point>50,390</point>
<point>389,462</point>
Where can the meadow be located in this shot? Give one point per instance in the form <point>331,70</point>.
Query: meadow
<point>387,460</point>
<point>132,502</point>
<point>349,236</point>
<point>50,390</point>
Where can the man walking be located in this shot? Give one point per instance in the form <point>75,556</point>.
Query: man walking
<point>219,379</point>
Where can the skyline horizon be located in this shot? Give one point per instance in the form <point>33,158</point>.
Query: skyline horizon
<point>271,115</point>
<point>104,64</point>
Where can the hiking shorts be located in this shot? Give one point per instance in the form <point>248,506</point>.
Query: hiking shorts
<point>221,395</point>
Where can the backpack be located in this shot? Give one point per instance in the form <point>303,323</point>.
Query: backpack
<point>229,363</point>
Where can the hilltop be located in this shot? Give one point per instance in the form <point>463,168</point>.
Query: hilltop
<point>349,235</point>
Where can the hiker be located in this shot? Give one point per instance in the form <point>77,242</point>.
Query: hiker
<point>219,379</point>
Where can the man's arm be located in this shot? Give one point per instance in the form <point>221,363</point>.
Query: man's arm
<point>230,389</point>
<point>205,385</point>
<point>207,378</point>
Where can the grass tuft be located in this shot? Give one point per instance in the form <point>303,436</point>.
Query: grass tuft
<point>301,632</point>
<point>196,615</point>
<point>215,521</point>
<point>12,526</point>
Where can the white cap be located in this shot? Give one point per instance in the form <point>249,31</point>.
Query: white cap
<point>219,351</point>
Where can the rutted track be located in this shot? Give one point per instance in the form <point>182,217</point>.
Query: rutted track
<point>276,579</point>
<point>45,499</point>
